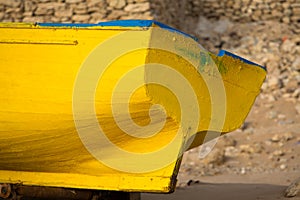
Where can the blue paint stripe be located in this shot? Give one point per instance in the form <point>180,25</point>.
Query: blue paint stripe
<point>121,23</point>
<point>140,23</point>
<point>128,23</point>
<point>68,25</point>
<point>144,23</point>
<point>223,52</point>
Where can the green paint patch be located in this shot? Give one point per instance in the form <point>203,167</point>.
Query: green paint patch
<point>205,61</point>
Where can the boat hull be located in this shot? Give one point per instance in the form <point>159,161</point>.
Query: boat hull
<point>63,89</point>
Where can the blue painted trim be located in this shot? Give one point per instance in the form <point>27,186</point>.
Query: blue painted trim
<point>128,23</point>
<point>122,23</point>
<point>143,23</point>
<point>140,23</point>
<point>68,25</point>
<point>224,52</point>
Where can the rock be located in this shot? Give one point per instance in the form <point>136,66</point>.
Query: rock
<point>282,166</point>
<point>43,11</point>
<point>118,4</point>
<point>274,83</point>
<point>278,153</point>
<point>286,96</point>
<point>27,14</point>
<point>97,17</point>
<point>231,152</point>
<point>275,138</point>
<point>115,14</point>
<point>258,148</point>
<point>222,26</point>
<point>203,26</point>
<point>285,122</point>
<point>33,19</point>
<point>297,108</point>
<point>293,189</point>
<point>74,1</point>
<point>81,9</point>
<point>271,98</point>
<point>296,94</point>
<point>50,6</point>
<point>138,7</point>
<point>245,148</point>
<point>296,64</point>
<point>287,46</point>
<point>11,3</point>
<point>281,116</point>
<point>227,141</point>
<point>63,13</point>
<point>143,15</point>
<point>288,136</point>
<point>92,3</point>
<point>286,20</point>
<point>192,182</point>
<point>272,114</point>
<point>282,160</point>
<point>291,85</point>
<point>243,170</point>
<point>1,15</point>
<point>29,6</point>
<point>80,18</point>
<point>280,144</point>
<point>215,157</point>
<point>249,130</point>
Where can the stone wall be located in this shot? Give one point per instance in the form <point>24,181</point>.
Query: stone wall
<point>287,11</point>
<point>178,13</point>
<point>241,11</point>
<point>87,11</point>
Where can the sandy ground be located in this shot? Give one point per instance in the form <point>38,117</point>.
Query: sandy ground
<point>228,187</point>
<point>245,172</point>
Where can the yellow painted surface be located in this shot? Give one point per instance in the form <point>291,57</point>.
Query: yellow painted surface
<point>40,143</point>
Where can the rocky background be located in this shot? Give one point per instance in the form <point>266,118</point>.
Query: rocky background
<point>79,11</point>
<point>264,31</point>
<point>175,13</point>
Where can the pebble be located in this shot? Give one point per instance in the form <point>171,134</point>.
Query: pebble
<point>246,148</point>
<point>227,141</point>
<point>282,166</point>
<point>288,136</point>
<point>258,148</point>
<point>268,143</point>
<point>297,108</point>
<point>285,122</point>
<point>215,157</point>
<point>272,114</point>
<point>293,189</point>
<point>231,152</point>
<point>274,82</point>
<point>192,182</point>
<point>275,138</point>
<point>278,153</point>
<point>296,94</point>
<point>249,130</point>
<point>281,116</point>
<point>243,170</point>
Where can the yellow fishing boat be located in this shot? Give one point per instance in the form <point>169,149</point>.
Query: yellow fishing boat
<point>113,106</point>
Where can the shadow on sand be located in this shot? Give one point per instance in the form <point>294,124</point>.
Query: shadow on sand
<point>230,191</point>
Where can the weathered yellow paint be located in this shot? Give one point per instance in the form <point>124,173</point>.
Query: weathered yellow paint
<point>39,142</point>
